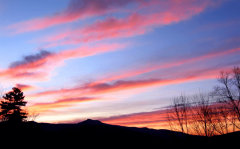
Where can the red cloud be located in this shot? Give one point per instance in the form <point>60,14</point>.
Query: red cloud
<point>144,119</point>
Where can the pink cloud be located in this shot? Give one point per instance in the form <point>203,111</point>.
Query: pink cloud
<point>104,86</point>
<point>155,119</point>
<point>38,67</point>
<point>137,119</point>
<point>62,103</point>
<point>149,67</point>
<point>132,25</point>
<point>62,96</point>
<point>101,87</point>
<point>89,51</point>
<point>121,85</point>
<point>25,87</point>
<point>77,9</point>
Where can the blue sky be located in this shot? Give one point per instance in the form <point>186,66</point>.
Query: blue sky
<point>114,60</point>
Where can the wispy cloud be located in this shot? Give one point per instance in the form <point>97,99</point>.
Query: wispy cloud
<point>138,119</point>
<point>38,67</point>
<point>169,12</point>
<point>113,27</point>
<point>61,103</point>
<point>171,63</point>
<point>121,83</point>
<point>25,87</point>
<point>30,59</point>
<point>157,119</point>
<point>77,9</point>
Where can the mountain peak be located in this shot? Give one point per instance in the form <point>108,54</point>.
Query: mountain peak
<point>90,122</point>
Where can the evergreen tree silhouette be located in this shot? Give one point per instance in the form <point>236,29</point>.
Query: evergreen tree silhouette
<point>11,111</point>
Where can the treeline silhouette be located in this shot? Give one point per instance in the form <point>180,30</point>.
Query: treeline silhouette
<point>206,119</point>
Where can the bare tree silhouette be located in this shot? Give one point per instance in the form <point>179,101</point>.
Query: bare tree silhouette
<point>198,115</point>
<point>203,115</point>
<point>229,94</point>
<point>179,113</point>
<point>209,114</point>
<point>31,115</point>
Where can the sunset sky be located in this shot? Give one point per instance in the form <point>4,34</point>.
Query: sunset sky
<point>118,61</point>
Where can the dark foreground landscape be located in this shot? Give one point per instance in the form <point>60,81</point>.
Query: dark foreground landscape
<point>95,134</point>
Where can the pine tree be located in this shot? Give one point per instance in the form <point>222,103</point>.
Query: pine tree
<point>11,111</point>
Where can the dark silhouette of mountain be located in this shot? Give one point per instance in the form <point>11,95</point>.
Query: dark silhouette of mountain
<point>90,122</point>
<point>167,134</point>
<point>95,134</point>
<point>102,134</point>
